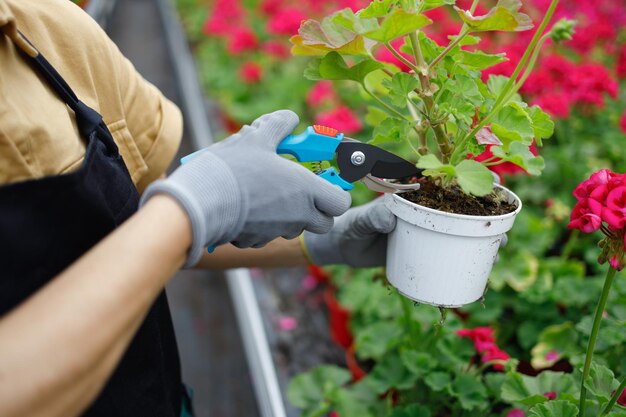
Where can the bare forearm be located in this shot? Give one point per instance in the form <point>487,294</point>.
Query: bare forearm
<point>277,253</point>
<point>59,347</point>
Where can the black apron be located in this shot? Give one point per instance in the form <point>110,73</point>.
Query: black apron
<point>46,224</point>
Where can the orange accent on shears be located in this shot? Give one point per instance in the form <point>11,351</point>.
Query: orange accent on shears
<point>325,130</point>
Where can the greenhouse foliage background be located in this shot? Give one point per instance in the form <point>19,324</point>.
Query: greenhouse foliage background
<point>520,350</point>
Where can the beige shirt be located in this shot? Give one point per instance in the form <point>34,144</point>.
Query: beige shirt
<point>38,133</point>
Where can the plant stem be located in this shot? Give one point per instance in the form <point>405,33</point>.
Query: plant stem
<point>451,45</point>
<point>400,57</point>
<point>445,147</point>
<point>511,86</point>
<point>389,109</point>
<point>614,398</point>
<point>406,307</point>
<point>423,149</point>
<point>569,245</point>
<point>608,281</point>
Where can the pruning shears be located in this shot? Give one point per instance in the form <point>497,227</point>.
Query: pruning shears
<point>356,160</point>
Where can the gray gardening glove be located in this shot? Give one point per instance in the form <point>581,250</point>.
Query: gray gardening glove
<point>358,238</point>
<point>239,190</point>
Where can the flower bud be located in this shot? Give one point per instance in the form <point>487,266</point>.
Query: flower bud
<point>562,30</point>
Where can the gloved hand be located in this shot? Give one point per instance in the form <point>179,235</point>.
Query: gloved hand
<point>358,238</point>
<point>239,190</point>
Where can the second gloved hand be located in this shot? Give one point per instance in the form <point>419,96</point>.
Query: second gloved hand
<point>239,190</point>
<point>358,238</point>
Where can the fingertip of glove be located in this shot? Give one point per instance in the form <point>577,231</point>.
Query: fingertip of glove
<point>387,220</point>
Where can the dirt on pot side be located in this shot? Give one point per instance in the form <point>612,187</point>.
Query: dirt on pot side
<point>452,200</point>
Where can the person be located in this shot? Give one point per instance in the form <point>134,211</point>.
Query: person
<point>90,232</point>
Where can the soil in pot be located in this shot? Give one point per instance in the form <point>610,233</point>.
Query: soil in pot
<point>453,200</point>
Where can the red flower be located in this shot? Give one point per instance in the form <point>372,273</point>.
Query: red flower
<point>622,122</point>
<point>341,118</point>
<point>586,216</point>
<point>485,343</point>
<point>495,353</point>
<point>286,22</point>
<point>557,105</point>
<point>251,72</point>
<point>321,93</point>
<point>585,188</point>
<point>615,211</point>
<point>241,40</point>
<point>516,412</point>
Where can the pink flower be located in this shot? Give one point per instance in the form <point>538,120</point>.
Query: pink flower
<point>286,21</point>
<point>557,105</point>
<point>516,412</point>
<point>550,395</point>
<point>276,49</point>
<point>616,263</point>
<point>586,216</point>
<point>287,323</point>
<point>614,213</point>
<point>226,15</point>
<point>321,93</point>
<point>241,40</point>
<point>552,355</point>
<point>341,118</point>
<point>585,188</point>
<point>622,122</point>
<point>251,72</point>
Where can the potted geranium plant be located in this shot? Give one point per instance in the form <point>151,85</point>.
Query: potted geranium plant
<point>443,114</point>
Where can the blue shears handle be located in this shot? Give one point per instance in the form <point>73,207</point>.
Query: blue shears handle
<point>316,143</point>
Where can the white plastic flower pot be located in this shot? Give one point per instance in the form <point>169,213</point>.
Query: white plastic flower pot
<point>440,258</point>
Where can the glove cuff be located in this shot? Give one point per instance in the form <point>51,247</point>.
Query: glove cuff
<point>214,203</point>
<point>321,249</point>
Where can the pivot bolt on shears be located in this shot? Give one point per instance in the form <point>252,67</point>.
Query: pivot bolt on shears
<point>356,160</point>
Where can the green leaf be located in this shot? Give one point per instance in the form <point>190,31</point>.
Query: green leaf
<point>505,16</point>
<point>333,67</point>
<point>429,161</point>
<point>470,391</point>
<point>527,390</point>
<point>496,83</point>
<point>554,409</point>
<point>519,154</point>
<point>315,38</point>
<point>474,178</point>
<point>413,410</point>
<point>349,403</point>
<point>388,373</point>
<point>400,86</point>
<point>398,23</point>
<point>376,339</point>
<point>512,123</point>
<point>377,8</point>
<point>354,23</point>
<point>433,4</point>
<point>375,116</point>
<point>467,40</point>
<point>555,342</point>
<point>479,60</point>
<point>601,382</point>
<point>543,126</point>
<point>391,130</point>
<point>309,389</point>
<point>419,363</point>
<point>438,381</point>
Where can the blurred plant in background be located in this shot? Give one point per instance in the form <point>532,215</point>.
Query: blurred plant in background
<point>522,351</point>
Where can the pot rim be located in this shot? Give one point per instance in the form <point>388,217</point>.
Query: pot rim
<point>466,216</point>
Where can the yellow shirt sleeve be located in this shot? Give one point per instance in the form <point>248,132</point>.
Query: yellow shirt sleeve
<point>38,129</point>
